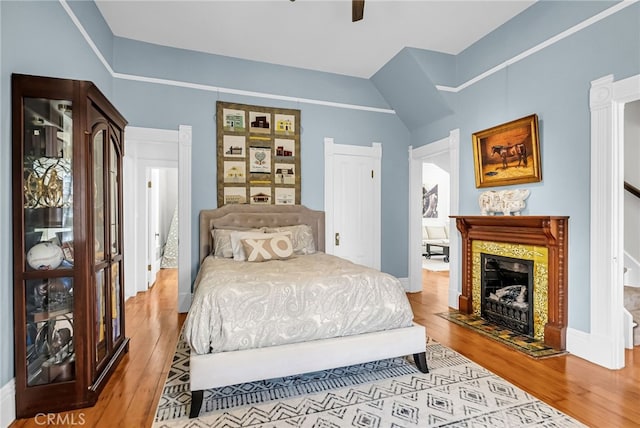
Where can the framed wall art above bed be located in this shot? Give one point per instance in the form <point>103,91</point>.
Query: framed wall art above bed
<point>258,155</point>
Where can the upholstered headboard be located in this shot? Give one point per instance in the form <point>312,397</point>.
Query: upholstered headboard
<point>237,216</point>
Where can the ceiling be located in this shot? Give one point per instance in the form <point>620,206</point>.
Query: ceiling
<point>310,34</point>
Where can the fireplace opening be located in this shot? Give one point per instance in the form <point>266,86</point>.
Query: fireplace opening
<point>507,292</point>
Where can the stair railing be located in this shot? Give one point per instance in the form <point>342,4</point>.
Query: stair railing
<point>632,189</point>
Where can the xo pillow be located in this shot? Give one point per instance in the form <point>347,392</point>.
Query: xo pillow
<point>262,249</point>
<point>237,237</point>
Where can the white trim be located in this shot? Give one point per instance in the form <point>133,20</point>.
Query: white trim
<point>8,403</point>
<point>184,214</point>
<point>86,36</point>
<point>606,101</point>
<point>569,32</point>
<point>540,46</point>
<point>417,157</point>
<point>374,152</point>
<point>218,89</point>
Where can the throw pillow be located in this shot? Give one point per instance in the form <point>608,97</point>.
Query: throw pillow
<point>301,237</point>
<point>261,249</point>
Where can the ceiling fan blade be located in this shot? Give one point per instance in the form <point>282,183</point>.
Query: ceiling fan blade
<point>357,10</point>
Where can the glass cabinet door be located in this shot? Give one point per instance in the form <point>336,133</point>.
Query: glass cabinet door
<point>109,310</point>
<point>114,238</point>
<point>99,250</point>
<point>48,240</point>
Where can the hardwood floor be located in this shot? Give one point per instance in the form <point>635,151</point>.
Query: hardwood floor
<point>595,396</point>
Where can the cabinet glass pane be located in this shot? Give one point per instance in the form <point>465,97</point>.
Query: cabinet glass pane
<point>115,301</point>
<point>98,195</point>
<point>48,184</point>
<point>50,331</point>
<point>113,194</point>
<point>101,312</point>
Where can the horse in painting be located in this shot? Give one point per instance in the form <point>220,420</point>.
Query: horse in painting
<point>505,152</point>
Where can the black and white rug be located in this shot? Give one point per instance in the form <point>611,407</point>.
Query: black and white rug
<point>390,393</point>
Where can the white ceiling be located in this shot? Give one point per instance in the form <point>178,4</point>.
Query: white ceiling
<point>310,34</point>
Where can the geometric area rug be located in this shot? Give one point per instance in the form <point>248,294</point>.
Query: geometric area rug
<point>390,393</point>
<point>520,342</point>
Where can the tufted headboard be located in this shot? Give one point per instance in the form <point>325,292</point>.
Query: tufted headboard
<point>245,216</point>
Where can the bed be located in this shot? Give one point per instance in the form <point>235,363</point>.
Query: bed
<point>253,320</point>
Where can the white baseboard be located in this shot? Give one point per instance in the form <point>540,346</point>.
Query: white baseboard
<point>8,403</point>
<point>594,349</point>
<point>184,302</point>
<point>405,284</point>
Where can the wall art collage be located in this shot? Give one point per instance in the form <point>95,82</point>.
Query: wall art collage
<point>258,154</point>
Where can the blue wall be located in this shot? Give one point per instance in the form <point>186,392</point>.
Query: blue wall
<point>554,83</point>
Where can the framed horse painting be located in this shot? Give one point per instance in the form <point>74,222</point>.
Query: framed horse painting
<point>508,154</point>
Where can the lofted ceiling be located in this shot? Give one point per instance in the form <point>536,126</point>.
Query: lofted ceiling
<point>310,34</point>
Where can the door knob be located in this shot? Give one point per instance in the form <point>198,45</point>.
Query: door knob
<point>337,239</point>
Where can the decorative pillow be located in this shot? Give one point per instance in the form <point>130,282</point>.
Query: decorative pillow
<point>301,237</point>
<point>437,232</point>
<point>237,236</point>
<point>222,241</point>
<point>261,249</point>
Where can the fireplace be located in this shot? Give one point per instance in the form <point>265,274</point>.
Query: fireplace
<point>506,290</point>
<point>537,244</point>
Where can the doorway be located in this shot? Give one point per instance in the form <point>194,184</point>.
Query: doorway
<point>147,149</point>
<point>446,148</point>
<point>161,212</point>
<point>436,182</point>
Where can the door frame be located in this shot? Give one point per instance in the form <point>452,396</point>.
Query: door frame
<point>604,344</point>
<point>375,152</point>
<point>149,147</point>
<point>417,157</point>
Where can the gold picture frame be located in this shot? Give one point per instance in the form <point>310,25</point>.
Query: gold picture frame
<point>258,155</point>
<point>507,154</point>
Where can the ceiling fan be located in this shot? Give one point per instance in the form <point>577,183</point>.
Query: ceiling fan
<point>357,10</point>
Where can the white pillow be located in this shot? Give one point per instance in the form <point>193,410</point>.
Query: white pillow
<point>301,237</point>
<point>222,241</point>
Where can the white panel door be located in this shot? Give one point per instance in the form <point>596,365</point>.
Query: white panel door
<point>353,195</point>
<point>352,202</point>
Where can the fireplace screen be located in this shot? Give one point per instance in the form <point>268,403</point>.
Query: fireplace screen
<point>507,290</point>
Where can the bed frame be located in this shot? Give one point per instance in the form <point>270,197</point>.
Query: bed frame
<point>229,368</point>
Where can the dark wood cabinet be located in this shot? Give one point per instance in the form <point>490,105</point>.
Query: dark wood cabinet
<point>68,143</point>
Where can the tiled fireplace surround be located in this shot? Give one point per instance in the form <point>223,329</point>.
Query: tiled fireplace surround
<point>542,239</point>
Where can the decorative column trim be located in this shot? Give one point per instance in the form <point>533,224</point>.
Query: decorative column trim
<point>184,214</point>
<point>605,341</point>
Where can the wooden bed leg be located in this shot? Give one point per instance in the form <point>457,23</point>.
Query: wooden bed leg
<point>421,362</point>
<point>196,403</point>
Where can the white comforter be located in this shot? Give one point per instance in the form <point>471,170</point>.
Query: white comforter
<point>242,305</point>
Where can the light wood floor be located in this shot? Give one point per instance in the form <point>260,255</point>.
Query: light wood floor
<point>596,396</point>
